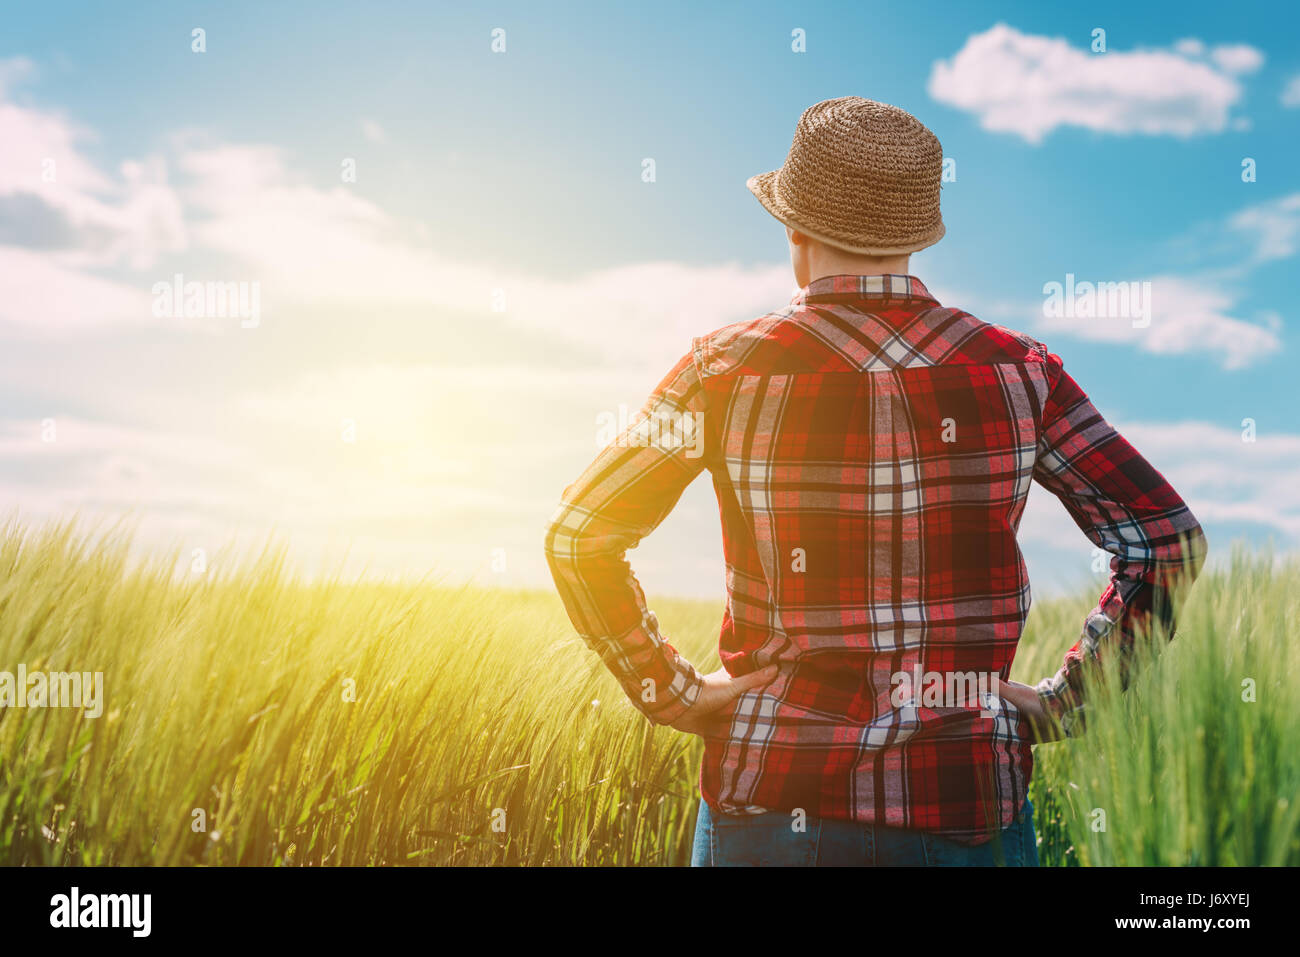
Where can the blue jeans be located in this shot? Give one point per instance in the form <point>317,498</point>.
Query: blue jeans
<point>770,840</point>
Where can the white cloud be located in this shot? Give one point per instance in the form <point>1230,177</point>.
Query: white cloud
<point>63,217</point>
<point>40,294</point>
<point>1030,85</point>
<point>131,218</point>
<point>1225,479</point>
<point>311,245</point>
<point>109,468</point>
<point>1291,92</point>
<point>1273,227</point>
<point>1237,58</point>
<point>13,71</point>
<point>314,245</point>
<point>1187,316</point>
<point>373,132</point>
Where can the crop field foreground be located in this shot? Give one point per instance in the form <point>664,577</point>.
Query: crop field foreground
<point>249,718</point>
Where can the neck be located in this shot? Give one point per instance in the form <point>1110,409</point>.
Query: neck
<point>822,260</point>
<point>833,262</point>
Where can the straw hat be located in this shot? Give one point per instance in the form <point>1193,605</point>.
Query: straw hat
<point>861,175</point>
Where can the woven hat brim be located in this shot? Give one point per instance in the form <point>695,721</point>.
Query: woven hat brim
<point>763,186</point>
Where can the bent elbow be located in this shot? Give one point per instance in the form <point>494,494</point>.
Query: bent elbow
<point>558,538</point>
<point>1198,549</point>
<point>1193,547</point>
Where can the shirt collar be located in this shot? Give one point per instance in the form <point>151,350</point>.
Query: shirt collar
<point>849,288</point>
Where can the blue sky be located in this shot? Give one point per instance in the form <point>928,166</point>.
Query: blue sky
<point>517,175</point>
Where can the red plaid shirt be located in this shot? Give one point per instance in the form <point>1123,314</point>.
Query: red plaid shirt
<point>872,453</point>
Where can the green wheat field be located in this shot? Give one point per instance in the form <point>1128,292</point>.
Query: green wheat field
<point>252,719</point>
